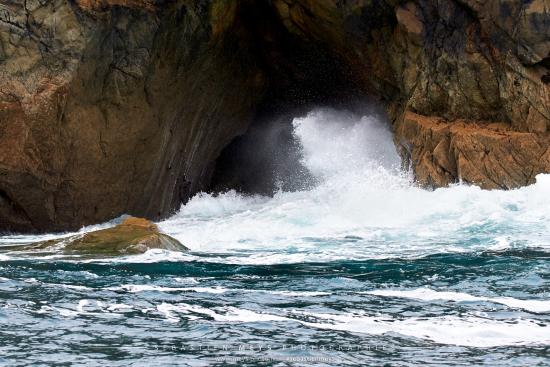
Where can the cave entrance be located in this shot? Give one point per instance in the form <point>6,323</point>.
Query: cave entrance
<point>302,75</point>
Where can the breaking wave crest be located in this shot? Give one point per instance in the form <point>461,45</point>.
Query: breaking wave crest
<point>363,206</point>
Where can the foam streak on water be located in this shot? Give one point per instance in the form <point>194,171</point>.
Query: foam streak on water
<point>453,276</point>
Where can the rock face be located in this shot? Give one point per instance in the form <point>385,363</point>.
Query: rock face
<point>123,106</point>
<point>491,155</point>
<point>133,236</point>
<point>466,64</point>
<point>112,107</point>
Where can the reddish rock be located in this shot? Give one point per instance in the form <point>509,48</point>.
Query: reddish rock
<point>489,155</point>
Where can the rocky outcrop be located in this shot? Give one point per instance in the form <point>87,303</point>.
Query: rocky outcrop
<point>123,106</point>
<point>490,155</point>
<point>112,107</point>
<point>132,236</point>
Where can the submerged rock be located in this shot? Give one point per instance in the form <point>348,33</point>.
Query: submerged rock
<point>133,236</point>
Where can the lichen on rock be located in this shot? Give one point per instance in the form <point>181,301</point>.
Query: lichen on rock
<point>132,236</point>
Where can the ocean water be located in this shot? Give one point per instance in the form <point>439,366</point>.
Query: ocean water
<point>363,268</point>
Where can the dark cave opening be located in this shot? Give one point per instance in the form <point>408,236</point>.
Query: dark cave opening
<point>302,75</point>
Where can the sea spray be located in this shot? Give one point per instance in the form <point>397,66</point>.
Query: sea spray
<point>363,206</point>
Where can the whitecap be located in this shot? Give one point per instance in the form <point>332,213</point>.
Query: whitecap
<point>426,294</point>
<point>136,288</point>
<point>471,331</point>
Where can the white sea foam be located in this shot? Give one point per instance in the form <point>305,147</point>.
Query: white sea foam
<point>426,294</point>
<point>472,331</point>
<point>137,288</point>
<point>188,280</point>
<point>229,314</point>
<point>466,331</point>
<point>88,308</point>
<point>71,286</point>
<point>81,304</point>
<point>120,307</point>
<point>363,207</point>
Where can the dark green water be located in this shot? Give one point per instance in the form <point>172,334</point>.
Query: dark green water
<point>201,313</point>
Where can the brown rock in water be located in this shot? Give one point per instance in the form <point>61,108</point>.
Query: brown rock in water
<point>492,156</point>
<point>132,236</point>
<point>123,106</point>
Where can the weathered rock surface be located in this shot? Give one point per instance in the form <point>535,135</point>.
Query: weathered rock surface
<point>113,107</point>
<point>488,155</point>
<point>123,106</point>
<point>464,63</point>
<point>133,236</point>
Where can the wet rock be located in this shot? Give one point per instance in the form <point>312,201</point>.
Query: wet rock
<point>492,156</point>
<point>132,236</point>
<point>111,107</point>
<point>465,63</point>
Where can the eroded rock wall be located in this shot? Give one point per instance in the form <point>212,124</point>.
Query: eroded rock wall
<point>488,153</point>
<point>459,62</point>
<point>112,107</point>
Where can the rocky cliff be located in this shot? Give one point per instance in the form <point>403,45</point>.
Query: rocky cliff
<point>123,106</point>
<point>448,72</point>
<point>110,107</point>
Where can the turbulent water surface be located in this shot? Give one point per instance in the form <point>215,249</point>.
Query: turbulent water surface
<point>362,269</point>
